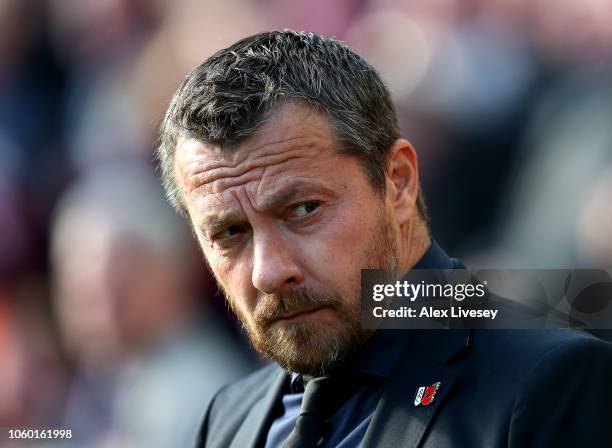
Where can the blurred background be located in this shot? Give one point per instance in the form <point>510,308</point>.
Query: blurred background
<point>110,323</point>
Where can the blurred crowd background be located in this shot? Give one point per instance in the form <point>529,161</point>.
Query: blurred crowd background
<point>110,323</point>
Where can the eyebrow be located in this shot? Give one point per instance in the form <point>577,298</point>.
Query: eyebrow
<point>270,202</point>
<point>285,195</point>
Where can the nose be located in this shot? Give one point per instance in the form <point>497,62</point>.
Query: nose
<point>274,265</point>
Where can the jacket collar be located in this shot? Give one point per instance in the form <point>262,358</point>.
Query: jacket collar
<point>436,258</point>
<point>252,432</point>
<point>426,360</point>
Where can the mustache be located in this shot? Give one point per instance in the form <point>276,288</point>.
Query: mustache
<point>276,306</point>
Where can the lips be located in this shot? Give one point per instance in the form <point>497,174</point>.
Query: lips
<point>296,314</point>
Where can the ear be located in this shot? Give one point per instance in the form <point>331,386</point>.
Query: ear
<point>403,181</point>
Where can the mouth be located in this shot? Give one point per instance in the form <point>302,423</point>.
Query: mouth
<point>298,315</point>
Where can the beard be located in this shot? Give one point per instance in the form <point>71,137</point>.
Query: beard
<point>316,346</point>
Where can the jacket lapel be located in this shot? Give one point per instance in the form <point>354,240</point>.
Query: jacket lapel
<point>397,421</point>
<point>251,433</point>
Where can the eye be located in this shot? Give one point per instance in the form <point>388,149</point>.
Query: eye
<point>228,232</point>
<point>305,209</point>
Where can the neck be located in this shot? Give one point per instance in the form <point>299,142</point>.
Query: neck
<point>414,241</point>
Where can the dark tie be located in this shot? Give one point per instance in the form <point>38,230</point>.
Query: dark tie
<point>322,397</point>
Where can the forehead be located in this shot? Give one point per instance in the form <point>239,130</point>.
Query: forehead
<point>294,145</point>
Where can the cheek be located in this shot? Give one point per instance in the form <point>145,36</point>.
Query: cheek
<point>234,278</point>
<point>335,256</point>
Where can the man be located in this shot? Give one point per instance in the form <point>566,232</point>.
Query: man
<point>284,152</point>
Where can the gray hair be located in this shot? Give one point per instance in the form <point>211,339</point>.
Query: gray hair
<point>232,93</point>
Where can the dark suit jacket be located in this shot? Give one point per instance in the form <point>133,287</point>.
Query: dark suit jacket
<point>515,388</point>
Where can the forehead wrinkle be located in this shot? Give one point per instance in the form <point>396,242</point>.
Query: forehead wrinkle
<point>201,173</point>
<point>261,190</point>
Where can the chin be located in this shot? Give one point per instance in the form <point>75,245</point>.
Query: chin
<point>310,349</point>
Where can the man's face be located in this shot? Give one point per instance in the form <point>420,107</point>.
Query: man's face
<point>286,224</point>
